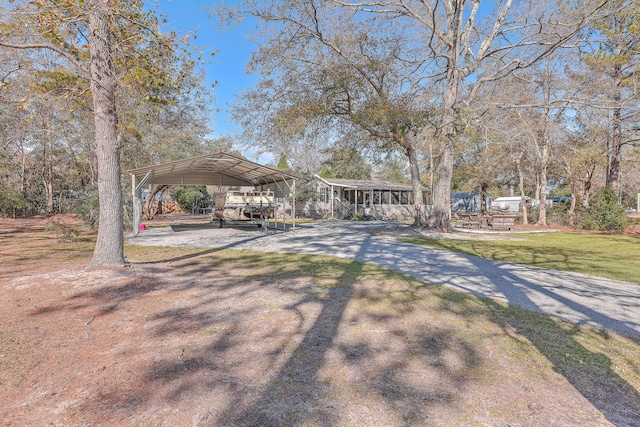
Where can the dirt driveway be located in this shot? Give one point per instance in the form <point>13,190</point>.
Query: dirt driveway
<point>228,338</point>
<point>579,298</point>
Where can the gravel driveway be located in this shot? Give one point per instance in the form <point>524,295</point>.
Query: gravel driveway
<point>576,297</point>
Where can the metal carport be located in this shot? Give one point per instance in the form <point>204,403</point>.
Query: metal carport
<point>221,169</point>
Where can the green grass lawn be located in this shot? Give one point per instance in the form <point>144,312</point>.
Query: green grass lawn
<point>612,256</point>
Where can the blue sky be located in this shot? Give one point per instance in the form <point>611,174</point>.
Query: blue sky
<point>227,67</point>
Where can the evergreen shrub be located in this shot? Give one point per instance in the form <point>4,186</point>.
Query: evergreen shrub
<point>605,213</point>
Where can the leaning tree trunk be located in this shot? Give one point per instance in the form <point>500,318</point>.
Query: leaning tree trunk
<point>586,186</point>
<point>146,209</point>
<point>109,249</point>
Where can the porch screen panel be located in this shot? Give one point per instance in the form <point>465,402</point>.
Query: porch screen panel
<point>395,197</point>
<point>376,197</point>
<point>386,199</point>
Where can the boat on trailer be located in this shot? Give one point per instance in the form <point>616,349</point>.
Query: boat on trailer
<point>242,207</point>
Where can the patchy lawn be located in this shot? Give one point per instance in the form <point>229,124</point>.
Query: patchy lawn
<point>608,255</point>
<point>230,338</point>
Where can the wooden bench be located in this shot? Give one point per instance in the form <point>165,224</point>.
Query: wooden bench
<point>504,222</point>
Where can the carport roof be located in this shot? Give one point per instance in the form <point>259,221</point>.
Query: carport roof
<point>211,169</point>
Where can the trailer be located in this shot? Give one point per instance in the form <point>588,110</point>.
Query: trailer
<point>244,207</point>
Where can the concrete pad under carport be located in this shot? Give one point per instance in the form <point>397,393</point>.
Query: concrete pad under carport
<point>198,235</point>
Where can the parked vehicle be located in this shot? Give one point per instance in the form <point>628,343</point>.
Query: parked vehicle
<point>561,199</point>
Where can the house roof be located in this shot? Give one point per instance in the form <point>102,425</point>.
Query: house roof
<point>362,184</point>
<point>211,169</point>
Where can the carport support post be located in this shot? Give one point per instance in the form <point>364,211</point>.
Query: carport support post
<point>136,190</point>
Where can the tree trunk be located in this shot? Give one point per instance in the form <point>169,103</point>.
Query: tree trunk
<point>442,192</point>
<point>48,189</point>
<point>421,214</point>
<point>544,160</point>
<point>47,177</point>
<point>615,151</point>
<point>442,188</point>
<point>109,249</point>
<point>613,176</point>
<point>483,198</point>
<point>571,213</point>
<point>586,188</point>
<point>23,173</point>
<point>523,196</point>
<point>154,190</point>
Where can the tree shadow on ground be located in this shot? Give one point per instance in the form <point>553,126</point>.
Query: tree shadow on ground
<point>312,296</point>
<point>296,389</point>
<point>207,343</point>
<point>589,372</point>
<point>594,377</point>
<point>202,252</point>
<point>309,388</point>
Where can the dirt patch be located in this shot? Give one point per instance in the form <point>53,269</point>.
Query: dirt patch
<point>245,339</point>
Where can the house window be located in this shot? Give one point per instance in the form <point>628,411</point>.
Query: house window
<point>323,194</point>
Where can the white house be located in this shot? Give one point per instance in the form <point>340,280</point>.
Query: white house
<point>343,198</point>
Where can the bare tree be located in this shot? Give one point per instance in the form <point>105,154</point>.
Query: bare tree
<point>466,49</point>
<point>320,65</point>
<point>543,118</point>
